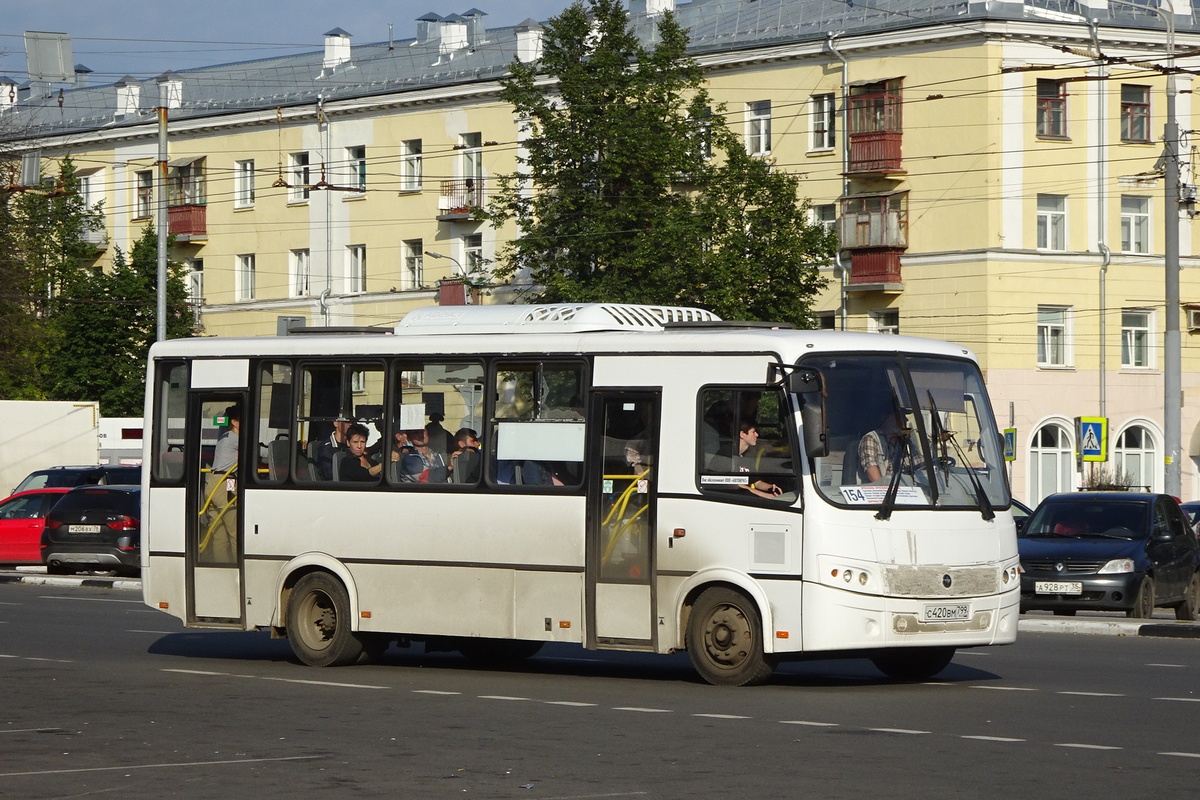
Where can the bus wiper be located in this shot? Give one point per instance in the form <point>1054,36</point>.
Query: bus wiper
<point>889,500</point>
<point>981,498</point>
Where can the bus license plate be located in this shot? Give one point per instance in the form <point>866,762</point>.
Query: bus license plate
<point>1058,587</point>
<point>946,613</point>
<point>83,529</point>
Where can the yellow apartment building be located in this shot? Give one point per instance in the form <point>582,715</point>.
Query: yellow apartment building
<point>994,171</point>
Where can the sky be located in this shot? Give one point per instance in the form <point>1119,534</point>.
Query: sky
<point>145,38</point>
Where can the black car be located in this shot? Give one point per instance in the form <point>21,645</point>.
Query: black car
<point>1110,551</point>
<point>94,528</point>
<point>1020,513</point>
<point>66,477</point>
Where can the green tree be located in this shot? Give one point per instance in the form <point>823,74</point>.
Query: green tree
<point>103,324</point>
<point>640,192</point>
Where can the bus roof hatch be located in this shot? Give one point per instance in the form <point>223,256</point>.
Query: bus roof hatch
<point>551,318</point>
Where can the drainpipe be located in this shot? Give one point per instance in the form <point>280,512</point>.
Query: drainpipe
<point>1101,209</point>
<point>323,121</point>
<point>843,269</point>
<point>323,300</point>
<point>1106,259</point>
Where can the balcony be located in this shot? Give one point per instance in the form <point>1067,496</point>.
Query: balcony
<point>97,238</point>
<point>188,223</point>
<point>875,270</point>
<point>458,197</point>
<point>875,153</point>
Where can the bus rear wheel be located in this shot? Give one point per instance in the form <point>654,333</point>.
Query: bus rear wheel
<point>319,622</point>
<point>913,663</point>
<point>724,639</point>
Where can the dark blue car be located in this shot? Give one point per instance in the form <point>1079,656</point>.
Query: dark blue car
<point>1110,551</point>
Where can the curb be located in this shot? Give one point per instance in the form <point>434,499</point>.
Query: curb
<point>91,582</point>
<point>1111,627</point>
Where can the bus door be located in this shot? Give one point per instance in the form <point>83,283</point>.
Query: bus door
<point>214,533</point>
<point>621,518</point>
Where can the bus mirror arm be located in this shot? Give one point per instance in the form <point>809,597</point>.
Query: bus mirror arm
<point>809,388</point>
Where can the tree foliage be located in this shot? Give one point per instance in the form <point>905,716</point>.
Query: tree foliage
<point>632,188</point>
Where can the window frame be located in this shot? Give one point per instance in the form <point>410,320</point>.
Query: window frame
<point>245,272</point>
<point>412,274</point>
<point>1051,109</point>
<point>758,127</point>
<point>1135,224</point>
<point>412,165</point>
<point>300,177</point>
<point>299,272</point>
<point>356,268</point>
<point>243,183</point>
<point>703,460</point>
<point>1046,344</point>
<point>356,167</point>
<point>144,193</point>
<point>1051,225</point>
<point>1135,113</point>
<point>1137,339</point>
<point>823,121</point>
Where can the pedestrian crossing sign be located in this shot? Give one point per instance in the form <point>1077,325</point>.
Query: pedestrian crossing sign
<point>1093,438</point>
<point>1010,444</point>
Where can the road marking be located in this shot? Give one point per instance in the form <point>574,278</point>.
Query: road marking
<point>971,653</point>
<point>156,633</point>
<point>808,723</point>
<point>8,656</point>
<point>277,680</point>
<point>500,697</point>
<point>572,703</point>
<point>1169,666</point>
<point>643,710</point>
<point>1182,755</point>
<point>722,716</point>
<point>50,660</point>
<point>157,766</point>
<point>433,691</point>
<point>1006,688</point>
<point>993,738</point>
<point>1080,746</point>
<point>1092,694</point>
<point>898,730</point>
<point>91,600</point>
<point>33,730</point>
<point>1180,699</point>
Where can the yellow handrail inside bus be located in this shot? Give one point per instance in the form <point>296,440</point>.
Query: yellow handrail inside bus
<point>204,542</point>
<point>621,525</point>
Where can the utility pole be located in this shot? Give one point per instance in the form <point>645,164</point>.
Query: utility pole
<point>160,222</point>
<point>1172,358</point>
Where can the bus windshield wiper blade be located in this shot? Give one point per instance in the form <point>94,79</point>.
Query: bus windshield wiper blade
<point>981,498</point>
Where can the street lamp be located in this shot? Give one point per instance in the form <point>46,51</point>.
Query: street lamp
<point>457,263</point>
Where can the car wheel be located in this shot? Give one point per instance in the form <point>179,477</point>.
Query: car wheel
<point>913,663</point>
<point>724,639</point>
<point>1143,605</point>
<point>319,622</point>
<point>1189,607</point>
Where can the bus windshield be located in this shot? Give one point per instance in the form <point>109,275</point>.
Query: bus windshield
<point>908,431</point>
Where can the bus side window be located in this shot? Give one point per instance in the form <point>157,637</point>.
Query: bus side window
<point>538,424</point>
<point>743,446</point>
<point>273,426</point>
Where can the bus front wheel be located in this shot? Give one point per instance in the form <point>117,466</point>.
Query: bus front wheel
<point>319,622</point>
<point>913,663</point>
<point>724,639</point>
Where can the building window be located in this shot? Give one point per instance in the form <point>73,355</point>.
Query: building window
<point>702,135</point>
<point>1135,456</point>
<point>1052,108</point>
<point>1135,224</point>
<point>876,107</point>
<point>1136,333</point>
<point>884,320</point>
<point>875,221</point>
<point>471,145</point>
<point>243,184</point>
<point>823,114</point>
<point>410,165</point>
<point>1051,462</point>
<point>1051,222</point>
<point>1135,113</point>
<point>356,268</point>
<point>1053,336</point>
<point>91,187</point>
<point>413,276</point>
<point>826,320</point>
<point>185,184</point>
<point>145,193</point>
<point>758,127</point>
<point>473,252</point>
<point>301,178</point>
<point>244,276</point>
<point>824,215</point>
<point>299,272</point>
<point>356,158</point>
<point>195,281</point>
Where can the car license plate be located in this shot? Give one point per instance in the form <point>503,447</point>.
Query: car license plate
<point>1058,587</point>
<point>83,529</point>
<point>946,613</point>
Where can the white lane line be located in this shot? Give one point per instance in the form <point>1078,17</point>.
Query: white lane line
<point>91,600</point>
<point>433,691</point>
<point>808,723</point>
<point>971,653</point>
<point>722,716</point>
<point>1182,755</point>
<point>898,730</point>
<point>501,697</point>
<point>8,656</point>
<point>156,633</point>
<point>572,703</point>
<point>157,766</point>
<point>1180,699</point>
<point>993,738</point>
<point>1169,666</point>
<point>643,710</point>
<point>32,730</point>
<point>50,660</point>
<point>1091,694</point>
<point>1081,746</point>
<point>277,680</point>
<point>1007,688</point>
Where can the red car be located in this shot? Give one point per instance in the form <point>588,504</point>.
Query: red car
<point>22,517</point>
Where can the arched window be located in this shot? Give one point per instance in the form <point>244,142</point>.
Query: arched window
<point>1051,462</point>
<point>1136,456</point>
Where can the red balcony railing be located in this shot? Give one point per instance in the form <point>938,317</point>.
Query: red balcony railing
<point>875,267</point>
<point>187,222</point>
<point>875,152</point>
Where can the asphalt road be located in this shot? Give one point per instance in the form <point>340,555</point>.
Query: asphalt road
<point>106,697</point>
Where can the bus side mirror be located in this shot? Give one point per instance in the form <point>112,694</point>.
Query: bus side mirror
<point>809,388</point>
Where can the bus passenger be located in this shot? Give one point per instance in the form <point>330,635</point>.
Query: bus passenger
<point>221,495</point>
<point>327,448</point>
<point>465,461</point>
<point>355,465</point>
<point>420,464</point>
<point>741,462</point>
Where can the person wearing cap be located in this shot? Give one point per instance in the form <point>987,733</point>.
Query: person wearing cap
<point>220,492</point>
<point>334,444</point>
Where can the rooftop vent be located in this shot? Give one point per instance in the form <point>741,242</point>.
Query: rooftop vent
<point>529,41</point>
<point>129,96</point>
<point>552,318</point>
<point>337,48</point>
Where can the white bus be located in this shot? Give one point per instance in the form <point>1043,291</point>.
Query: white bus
<point>646,478</point>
